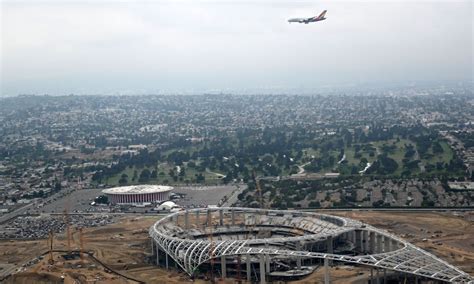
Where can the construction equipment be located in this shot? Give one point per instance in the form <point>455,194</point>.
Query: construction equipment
<point>50,245</point>
<point>211,248</point>
<point>259,190</point>
<point>81,240</point>
<point>261,202</point>
<point>297,231</point>
<point>251,227</point>
<point>239,269</point>
<point>68,230</point>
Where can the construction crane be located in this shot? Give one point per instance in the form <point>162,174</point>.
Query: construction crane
<point>239,269</point>
<point>81,240</point>
<point>50,245</point>
<point>211,247</point>
<point>261,202</point>
<point>68,230</point>
<point>259,190</point>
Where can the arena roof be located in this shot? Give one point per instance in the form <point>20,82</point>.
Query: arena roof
<point>137,189</point>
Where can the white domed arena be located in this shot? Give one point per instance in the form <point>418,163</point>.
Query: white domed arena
<point>138,194</point>
<point>259,245</point>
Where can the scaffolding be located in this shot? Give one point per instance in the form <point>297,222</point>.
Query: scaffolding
<point>372,247</point>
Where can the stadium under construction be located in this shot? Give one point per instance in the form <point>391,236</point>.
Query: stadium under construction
<point>260,245</point>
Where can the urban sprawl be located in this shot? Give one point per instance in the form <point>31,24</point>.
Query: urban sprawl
<point>407,147</point>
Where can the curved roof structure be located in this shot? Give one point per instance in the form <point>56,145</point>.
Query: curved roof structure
<point>137,189</point>
<point>167,205</point>
<point>190,246</point>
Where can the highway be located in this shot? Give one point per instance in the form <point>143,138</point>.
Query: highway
<point>463,209</point>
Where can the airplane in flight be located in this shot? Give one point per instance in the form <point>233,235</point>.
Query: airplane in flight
<point>309,20</point>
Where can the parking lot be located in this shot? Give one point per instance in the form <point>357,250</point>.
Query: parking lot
<point>202,196</point>
<point>77,201</point>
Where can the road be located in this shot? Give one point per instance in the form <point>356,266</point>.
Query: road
<point>214,173</point>
<point>7,269</point>
<point>466,209</point>
<point>301,168</point>
<point>420,164</point>
<point>72,200</point>
<point>14,214</point>
<point>233,198</point>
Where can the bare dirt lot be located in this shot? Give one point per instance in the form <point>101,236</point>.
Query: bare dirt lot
<point>124,246</point>
<point>449,236</point>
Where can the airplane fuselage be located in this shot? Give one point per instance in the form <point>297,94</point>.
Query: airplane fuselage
<point>304,20</point>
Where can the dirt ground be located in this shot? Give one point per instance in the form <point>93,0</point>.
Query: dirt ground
<point>124,246</point>
<point>449,236</point>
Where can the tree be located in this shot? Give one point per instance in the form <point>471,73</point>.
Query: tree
<point>437,148</point>
<point>226,179</point>
<point>144,175</point>
<point>178,157</point>
<point>410,151</point>
<point>200,178</point>
<point>387,165</point>
<point>123,179</point>
<point>378,203</point>
<point>102,199</point>
<point>354,170</point>
<point>98,176</point>
<point>427,203</point>
<point>57,186</point>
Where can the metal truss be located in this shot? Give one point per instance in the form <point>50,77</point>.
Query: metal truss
<point>189,254</point>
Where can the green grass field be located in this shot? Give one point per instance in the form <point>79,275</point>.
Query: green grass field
<point>395,148</point>
<point>398,154</point>
<point>444,157</point>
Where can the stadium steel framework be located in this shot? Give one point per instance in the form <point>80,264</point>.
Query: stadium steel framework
<point>193,237</point>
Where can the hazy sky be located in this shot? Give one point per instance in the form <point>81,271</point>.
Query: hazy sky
<point>62,47</point>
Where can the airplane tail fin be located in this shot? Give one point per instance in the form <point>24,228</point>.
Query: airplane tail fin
<point>321,16</point>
